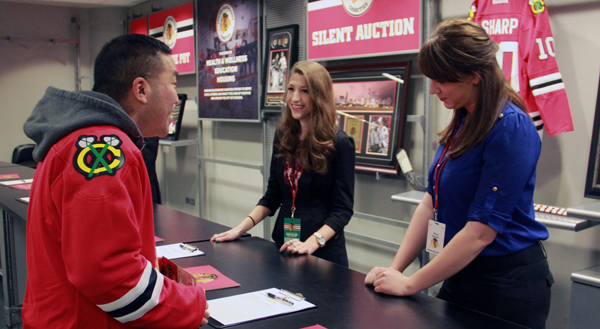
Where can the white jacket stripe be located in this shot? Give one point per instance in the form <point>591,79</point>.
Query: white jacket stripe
<point>149,304</point>
<point>138,301</point>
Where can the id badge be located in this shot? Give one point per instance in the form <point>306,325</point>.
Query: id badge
<point>436,232</point>
<point>291,229</point>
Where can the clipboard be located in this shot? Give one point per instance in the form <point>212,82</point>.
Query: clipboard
<point>254,306</point>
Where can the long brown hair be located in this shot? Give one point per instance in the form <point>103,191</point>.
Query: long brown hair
<point>459,49</point>
<point>315,150</point>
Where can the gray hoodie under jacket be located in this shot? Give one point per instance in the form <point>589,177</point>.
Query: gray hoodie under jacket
<point>61,112</point>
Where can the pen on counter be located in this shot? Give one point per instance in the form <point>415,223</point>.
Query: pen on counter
<point>280,299</point>
<point>187,247</point>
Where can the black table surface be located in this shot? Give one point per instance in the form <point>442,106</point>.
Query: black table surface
<point>9,195</point>
<point>341,297</point>
<point>7,164</point>
<point>175,226</point>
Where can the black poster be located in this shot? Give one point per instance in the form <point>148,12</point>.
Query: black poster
<point>227,50</point>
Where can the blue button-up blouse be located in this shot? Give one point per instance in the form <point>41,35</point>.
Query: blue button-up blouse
<point>493,183</point>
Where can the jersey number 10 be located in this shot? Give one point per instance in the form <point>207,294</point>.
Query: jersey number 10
<point>512,48</point>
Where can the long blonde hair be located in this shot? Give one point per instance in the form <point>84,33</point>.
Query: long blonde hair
<point>456,50</point>
<point>314,152</point>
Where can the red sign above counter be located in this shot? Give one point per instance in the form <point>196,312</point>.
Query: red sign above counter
<point>362,28</point>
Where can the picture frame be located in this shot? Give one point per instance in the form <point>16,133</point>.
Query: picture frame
<point>592,181</point>
<point>176,119</point>
<point>281,54</point>
<point>371,109</point>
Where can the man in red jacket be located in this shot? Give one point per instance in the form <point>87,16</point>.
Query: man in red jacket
<point>91,258</point>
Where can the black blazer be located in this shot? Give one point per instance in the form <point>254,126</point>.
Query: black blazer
<point>321,198</point>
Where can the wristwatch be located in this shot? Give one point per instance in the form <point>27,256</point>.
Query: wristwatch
<point>320,239</point>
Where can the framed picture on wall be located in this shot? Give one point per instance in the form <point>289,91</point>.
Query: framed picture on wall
<point>370,103</point>
<point>281,54</point>
<point>592,182</point>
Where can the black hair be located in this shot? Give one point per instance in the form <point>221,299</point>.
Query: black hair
<point>125,58</point>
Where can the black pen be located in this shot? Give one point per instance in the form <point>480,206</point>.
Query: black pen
<point>273,296</point>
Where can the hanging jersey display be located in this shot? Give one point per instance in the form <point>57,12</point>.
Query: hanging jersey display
<point>527,56</point>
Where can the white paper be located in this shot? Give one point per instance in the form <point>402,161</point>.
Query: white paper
<point>175,250</point>
<point>18,181</point>
<point>25,199</point>
<point>252,306</point>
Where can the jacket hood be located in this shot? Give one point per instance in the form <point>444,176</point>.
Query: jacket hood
<point>61,112</point>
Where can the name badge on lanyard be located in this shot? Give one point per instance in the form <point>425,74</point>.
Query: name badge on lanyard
<point>436,232</point>
<point>292,225</point>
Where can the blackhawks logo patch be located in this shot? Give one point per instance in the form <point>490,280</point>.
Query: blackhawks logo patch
<point>98,157</point>
<point>537,6</point>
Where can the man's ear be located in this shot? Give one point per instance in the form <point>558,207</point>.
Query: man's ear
<point>140,89</point>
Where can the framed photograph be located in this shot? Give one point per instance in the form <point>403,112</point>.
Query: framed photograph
<point>176,119</point>
<point>282,54</point>
<point>592,182</point>
<point>370,103</point>
<point>354,127</point>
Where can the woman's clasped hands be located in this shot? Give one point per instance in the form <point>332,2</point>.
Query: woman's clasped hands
<point>389,281</point>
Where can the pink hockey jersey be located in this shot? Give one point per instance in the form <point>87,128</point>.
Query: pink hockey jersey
<point>527,56</point>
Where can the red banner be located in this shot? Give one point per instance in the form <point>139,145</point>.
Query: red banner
<point>342,29</point>
<point>139,26</point>
<point>175,27</point>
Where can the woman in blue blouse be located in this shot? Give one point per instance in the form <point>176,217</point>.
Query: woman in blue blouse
<point>478,213</point>
<point>311,179</point>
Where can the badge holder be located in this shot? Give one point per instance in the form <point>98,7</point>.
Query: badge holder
<point>436,232</point>
<point>291,229</point>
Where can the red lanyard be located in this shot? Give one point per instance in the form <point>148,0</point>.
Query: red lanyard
<point>293,182</point>
<point>438,170</point>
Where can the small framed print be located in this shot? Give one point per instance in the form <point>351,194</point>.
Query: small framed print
<point>354,128</point>
<point>282,54</point>
<point>370,104</point>
<point>592,182</point>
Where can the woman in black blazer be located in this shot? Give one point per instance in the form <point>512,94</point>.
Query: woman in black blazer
<point>312,172</point>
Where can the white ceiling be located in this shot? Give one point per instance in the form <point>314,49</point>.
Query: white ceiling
<point>81,3</point>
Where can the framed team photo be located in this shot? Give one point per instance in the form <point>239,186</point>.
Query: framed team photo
<point>282,54</point>
<point>354,128</point>
<point>592,182</point>
<point>378,139</point>
<point>371,103</point>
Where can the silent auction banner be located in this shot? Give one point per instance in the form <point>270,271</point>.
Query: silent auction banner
<point>175,27</point>
<point>139,26</point>
<point>228,74</point>
<point>359,28</point>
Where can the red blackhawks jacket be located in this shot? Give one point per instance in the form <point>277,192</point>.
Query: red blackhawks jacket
<point>91,258</point>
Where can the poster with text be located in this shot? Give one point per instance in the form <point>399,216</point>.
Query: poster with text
<point>228,56</point>
<point>175,27</point>
<point>362,28</point>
